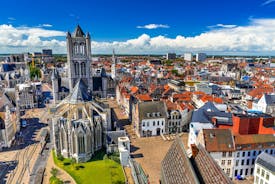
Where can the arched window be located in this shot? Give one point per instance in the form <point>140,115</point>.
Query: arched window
<point>81,143</point>
<point>76,68</point>
<point>64,139</point>
<point>74,142</point>
<point>83,69</point>
<point>75,49</point>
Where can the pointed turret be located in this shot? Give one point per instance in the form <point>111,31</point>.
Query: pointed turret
<point>88,35</point>
<point>78,32</point>
<point>69,35</point>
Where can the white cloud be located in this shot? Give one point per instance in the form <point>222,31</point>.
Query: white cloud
<point>223,26</point>
<point>258,37</point>
<point>267,2</point>
<point>153,26</point>
<point>45,25</point>
<point>11,18</point>
<point>27,39</point>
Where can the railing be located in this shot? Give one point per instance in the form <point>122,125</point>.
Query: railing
<point>138,174</point>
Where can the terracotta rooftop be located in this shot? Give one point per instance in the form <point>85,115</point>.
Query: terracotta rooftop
<point>217,140</point>
<point>144,97</point>
<point>254,141</point>
<point>258,92</point>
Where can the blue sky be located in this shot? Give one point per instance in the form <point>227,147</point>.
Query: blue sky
<point>141,26</point>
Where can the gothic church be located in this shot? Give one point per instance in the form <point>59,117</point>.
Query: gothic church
<point>79,123</point>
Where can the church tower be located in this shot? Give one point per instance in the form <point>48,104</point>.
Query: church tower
<point>113,67</point>
<point>56,80</point>
<point>79,58</point>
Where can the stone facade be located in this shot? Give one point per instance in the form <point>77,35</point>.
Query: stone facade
<point>79,125</point>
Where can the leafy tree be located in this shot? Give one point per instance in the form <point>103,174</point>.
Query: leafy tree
<point>175,72</point>
<point>54,171</point>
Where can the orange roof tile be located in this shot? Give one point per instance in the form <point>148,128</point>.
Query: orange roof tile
<point>144,97</point>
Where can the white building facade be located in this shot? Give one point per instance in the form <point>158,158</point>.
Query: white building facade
<point>264,169</point>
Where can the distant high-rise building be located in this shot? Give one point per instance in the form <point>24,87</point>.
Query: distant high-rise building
<point>171,56</point>
<point>47,52</point>
<point>201,57</point>
<point>188,56</point>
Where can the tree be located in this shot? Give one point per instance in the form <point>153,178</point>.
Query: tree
<point>54,171</point>
<point>175,72</point>
<point>34,72</point>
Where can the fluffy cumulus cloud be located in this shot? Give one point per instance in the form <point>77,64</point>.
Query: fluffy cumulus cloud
<point>256,38</point>
<point>153,26</point>
<point>27,39</point>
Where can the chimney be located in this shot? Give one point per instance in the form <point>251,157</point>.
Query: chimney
<point>195,150</point>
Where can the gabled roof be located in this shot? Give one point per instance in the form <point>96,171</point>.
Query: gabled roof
<point>151,110</point>
<point>267,161</point>
<point>78,32</point>
<point>218,140</point>
<point>176,166</point>
<point>200,115</point>
<point>206,168</point>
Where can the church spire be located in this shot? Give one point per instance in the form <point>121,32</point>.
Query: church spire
<point>113,57</point>
<point>113,67</point>
<point>78,32</point>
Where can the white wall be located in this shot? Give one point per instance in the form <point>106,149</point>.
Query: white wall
<point>260,175</point>
<point>194,129</point>
<point>248,159</point>
<point>147,124</point>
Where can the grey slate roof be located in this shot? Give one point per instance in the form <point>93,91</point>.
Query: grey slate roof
<point>112,136</point>
<point>270,99</point>
<point>79,93</point>
<point>267,161</point>
<point>206,112</point>
<point>151,107</point>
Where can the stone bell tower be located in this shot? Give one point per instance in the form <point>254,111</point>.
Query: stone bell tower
<point>79,58</point>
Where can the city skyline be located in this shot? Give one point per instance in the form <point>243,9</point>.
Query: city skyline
<point>221,28</point>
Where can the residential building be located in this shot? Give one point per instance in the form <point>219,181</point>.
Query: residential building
<point>266,104</point>
<point>28,95</point>
<point>220,145</point>
<point>177,85</point>
<point>248,147</point>
<point>149,118</point>
<point>264,169</point>
<point>204,87</point>
<point>235,154</point>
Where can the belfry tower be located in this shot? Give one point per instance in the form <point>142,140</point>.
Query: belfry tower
<point>79,58</point>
